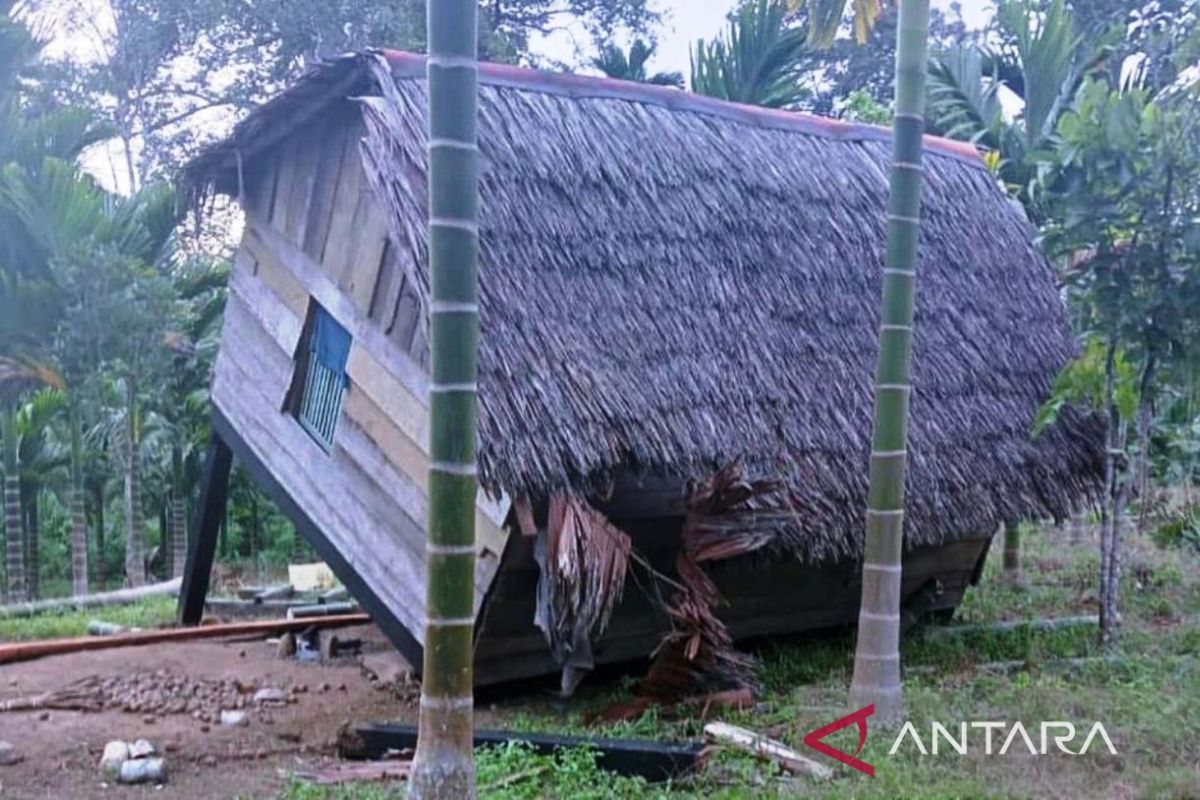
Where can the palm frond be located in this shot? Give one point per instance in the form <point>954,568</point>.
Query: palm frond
<point>962,103</point>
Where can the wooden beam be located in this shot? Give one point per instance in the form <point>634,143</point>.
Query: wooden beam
<point>214,491</point>
<point>649,759</point>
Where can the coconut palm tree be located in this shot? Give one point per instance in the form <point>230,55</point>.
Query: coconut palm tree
<point>443,766</point>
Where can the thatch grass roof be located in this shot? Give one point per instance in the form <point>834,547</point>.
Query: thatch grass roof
<point>669,283</point>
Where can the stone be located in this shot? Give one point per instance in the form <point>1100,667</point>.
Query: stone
<point>115,753</point>
<point>141,749</point>
<point>9,754</point>
<point>45,715</point>
<point>209,761</point>
<point>143,770</point>
<point>232,718</point>
<point>270,695</point>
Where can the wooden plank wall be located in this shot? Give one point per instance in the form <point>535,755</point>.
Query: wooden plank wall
<point>314,232</point>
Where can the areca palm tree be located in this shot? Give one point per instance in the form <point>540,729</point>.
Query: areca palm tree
<point>876,678</point>
<point>43,464</point>
<point>443,766</point>
<point>1042,64</point>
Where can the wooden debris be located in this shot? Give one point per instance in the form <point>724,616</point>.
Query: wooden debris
<point>766,749</point>
<point>356,772</point>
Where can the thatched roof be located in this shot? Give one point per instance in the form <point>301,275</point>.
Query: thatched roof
<point>670,282</point>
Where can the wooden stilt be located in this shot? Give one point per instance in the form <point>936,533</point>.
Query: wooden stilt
<point>214,492</point>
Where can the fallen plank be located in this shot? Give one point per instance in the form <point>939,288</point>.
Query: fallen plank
<point>766,749</point>
<point>654,761</point>
<point>26,651</point>
<point>119,597</point>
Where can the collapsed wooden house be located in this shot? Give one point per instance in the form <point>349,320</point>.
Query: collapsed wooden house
<point>670,285</point>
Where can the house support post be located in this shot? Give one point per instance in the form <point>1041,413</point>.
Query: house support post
<point>214,492</point>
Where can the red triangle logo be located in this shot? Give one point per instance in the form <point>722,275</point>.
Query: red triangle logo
<point>814,739</point>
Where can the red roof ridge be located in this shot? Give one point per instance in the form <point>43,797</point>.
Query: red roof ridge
<point>412,65</point>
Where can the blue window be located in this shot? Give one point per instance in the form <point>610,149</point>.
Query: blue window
<point>323,379</point>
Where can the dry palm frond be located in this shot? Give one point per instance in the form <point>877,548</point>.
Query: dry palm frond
<point>583,559</point>
<point>698,655</point>
<point>19,375</point>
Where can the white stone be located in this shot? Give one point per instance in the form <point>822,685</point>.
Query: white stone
<point>115,753</point>
<point>233,718</point>
<point>141,749</point>
<point>270,695</point>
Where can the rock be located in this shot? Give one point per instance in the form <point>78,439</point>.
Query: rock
<point>45,715</point>
<point>287,645</point>
<point>149,719</point>
<point>270,695</point>
<point>143,770</point>
<point>9,754</point>
<point>115,754</point>
<point>387,667</point>
<point>141,749</point>
<point>209,761</point>
<point>205,728</point>
<point>234,719</point>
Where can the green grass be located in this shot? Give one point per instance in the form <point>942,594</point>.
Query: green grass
<point>149,613</point>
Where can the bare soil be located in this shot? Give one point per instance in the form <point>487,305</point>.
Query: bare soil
<point>61,749</point>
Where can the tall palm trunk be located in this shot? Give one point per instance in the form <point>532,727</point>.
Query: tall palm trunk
<point>33,550</point>
<point>79,558</point>
<point>135,526</point>
<point>14,535</point>
<point>178,522</point>
<point>443,766</point>
<point>877,657</point>
<point>97,489</point>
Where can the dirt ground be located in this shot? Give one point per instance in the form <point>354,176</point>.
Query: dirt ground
<point>61,749</point>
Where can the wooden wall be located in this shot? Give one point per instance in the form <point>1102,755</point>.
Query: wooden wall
<point>314,233</point>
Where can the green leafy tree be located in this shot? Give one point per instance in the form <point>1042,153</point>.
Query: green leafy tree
<point>1125,214</point>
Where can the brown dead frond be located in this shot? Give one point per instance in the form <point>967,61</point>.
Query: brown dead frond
<point>583,559</point>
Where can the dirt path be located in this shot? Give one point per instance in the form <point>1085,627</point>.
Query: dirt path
<point>61,749</point>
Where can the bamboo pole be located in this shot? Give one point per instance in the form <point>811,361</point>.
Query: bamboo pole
<point>443,766</point>
<point>877,657</point>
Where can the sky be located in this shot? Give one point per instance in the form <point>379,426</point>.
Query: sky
<point>689,20</point>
